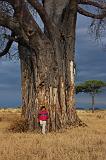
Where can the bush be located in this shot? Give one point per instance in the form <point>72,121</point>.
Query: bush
<point>20,125</point>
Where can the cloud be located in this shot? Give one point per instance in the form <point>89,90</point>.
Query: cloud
<point>90,56</point>
<point>85,100</point>
<point>10,83</point>
<point>90,61</point>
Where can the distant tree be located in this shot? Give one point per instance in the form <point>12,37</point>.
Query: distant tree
<point>92,87</point>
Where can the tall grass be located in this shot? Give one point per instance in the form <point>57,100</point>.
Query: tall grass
<point>81,143</point>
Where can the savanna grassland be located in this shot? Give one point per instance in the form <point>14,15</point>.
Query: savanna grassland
<point>80,143</point>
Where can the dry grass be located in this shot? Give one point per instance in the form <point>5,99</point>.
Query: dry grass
<point>81,143</point>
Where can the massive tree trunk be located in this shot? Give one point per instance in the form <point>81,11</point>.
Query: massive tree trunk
<point>48,74</point>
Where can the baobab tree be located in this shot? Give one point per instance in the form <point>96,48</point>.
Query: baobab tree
<point>47,55</point>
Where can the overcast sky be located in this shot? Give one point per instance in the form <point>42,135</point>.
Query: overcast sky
<point>90,60</point>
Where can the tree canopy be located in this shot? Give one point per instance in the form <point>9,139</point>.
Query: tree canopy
<point>92,87</point>
<point>11,13</point>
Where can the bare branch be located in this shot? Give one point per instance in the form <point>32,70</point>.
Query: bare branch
<point>97,29</point>
<point>11,23</point>
<point>88,14</point>
<point>8,21</point>
<point>43,14</point>
<point>101,5</point>
<point>6,50</point>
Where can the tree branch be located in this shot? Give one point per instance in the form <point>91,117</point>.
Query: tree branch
<point>12,24</point>
<point>100,5</point>
<point>8,21</point>
<point>88,14</point>
<point>6,50</point>
<point>43,14</point>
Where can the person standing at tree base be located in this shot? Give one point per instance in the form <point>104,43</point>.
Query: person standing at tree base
<point>43,117</point>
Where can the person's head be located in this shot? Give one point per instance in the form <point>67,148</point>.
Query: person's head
<point>43,108</point>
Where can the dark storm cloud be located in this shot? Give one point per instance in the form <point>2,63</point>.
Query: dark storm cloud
<point>91,62</point>
<point>90,55</point>
<point>10,90</point>
<point>9,74</point>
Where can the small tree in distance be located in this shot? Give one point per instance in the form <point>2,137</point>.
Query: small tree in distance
<point>92,87</point>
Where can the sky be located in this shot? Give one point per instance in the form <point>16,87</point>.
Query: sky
<point>90,60</point>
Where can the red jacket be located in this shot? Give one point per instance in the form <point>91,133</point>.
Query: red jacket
<point>43,115</point>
